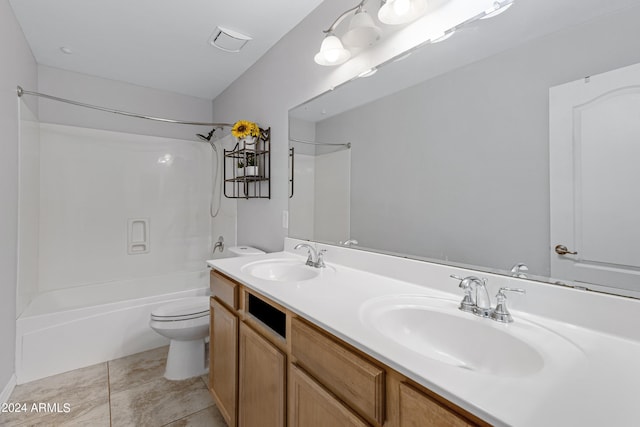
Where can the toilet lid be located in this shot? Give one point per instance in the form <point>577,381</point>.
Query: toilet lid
<point>182,309</point>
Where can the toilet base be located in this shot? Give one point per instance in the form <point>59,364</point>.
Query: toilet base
<point>186,359</point>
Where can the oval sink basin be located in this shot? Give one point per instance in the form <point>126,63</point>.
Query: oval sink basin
<point>436,329</point>
<point>281,270</point>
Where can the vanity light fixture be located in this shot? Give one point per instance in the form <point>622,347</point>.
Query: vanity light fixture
<point>362,33</point>
<point>332,52</point>
<point>362,30</point>
<point>497,9</point>
<point>395,12</point>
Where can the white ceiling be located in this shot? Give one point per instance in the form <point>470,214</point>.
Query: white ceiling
<point>161,44</point>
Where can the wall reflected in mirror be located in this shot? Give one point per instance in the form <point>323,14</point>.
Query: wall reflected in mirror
<point>454,166</point>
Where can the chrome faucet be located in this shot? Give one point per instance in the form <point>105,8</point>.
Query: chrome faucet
<point>314,259</point>
<point>476,299</point>
<point>349,242</point>
<point>483,301</point>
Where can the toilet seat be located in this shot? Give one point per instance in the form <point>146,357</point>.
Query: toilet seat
<point>182,309</point>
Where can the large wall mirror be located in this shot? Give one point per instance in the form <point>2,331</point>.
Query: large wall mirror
<point>445,154</point>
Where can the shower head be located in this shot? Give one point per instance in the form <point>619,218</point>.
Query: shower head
<point>208,137</point>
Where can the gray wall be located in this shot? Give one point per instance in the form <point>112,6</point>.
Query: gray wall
<point>287,76</point>
<point>17,66</point>
<point>457,167</point>
<point>120,96</point>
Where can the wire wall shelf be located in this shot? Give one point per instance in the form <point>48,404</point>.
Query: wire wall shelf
<point>291,170</point>
<point>247,169</point>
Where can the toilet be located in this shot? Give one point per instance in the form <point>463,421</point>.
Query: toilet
<point>185,322</point>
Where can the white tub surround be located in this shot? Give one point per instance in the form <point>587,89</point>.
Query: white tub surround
<point>589,344</point>
<point>76,327</point>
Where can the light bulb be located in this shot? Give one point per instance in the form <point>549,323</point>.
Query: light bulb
<point>401,7</point>
<point>332,55</point>
<point>332,52</point>
<point>396,12</point>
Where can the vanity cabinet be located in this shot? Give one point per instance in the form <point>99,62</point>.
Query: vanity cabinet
<point>311,405</point>
<point>349,376</point>
<point>261,400</point>
<point>269,367</point>
<point>417,409</point>
<point>223,360</point>
<point>247,368</point>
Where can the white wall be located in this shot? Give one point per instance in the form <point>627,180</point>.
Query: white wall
<point>462,174</point>
<point>17,66</point>
<point>120,96</point>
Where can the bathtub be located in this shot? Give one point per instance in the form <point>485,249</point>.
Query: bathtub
<point>76,327</point>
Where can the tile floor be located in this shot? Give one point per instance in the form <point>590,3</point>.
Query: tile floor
<point>130,391</point>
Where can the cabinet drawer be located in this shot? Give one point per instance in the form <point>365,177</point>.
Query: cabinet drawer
<point>352,378</point>
<point>417,410</point>
<point>225,289</point>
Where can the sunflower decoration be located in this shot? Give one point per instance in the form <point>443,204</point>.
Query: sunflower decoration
<point>243,128</point>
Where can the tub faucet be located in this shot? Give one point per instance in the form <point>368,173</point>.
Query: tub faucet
<point>219,245</point>
<point>314,259</point>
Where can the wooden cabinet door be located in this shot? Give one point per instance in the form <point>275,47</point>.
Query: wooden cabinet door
<point>262,381</point>
<point>419,410</point>
<point>223,361</point>
<point>310,405</point>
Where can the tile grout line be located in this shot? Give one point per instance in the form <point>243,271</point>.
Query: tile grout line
<point>109,394</point>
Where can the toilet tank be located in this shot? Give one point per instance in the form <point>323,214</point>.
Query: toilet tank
<point>244,251</point>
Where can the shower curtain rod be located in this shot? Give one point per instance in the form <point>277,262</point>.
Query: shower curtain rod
<point>346,144</point>
<point>22,92</point>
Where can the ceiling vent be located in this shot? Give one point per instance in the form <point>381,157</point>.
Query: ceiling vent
<point>228,40</point>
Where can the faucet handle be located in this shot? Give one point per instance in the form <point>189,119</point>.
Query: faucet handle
<point>320,261</point>
<point>501,313</point>
<point>467,303</point>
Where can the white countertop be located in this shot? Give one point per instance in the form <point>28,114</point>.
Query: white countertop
<point>590,377</point>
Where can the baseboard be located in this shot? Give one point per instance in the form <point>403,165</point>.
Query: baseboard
<point>8,389</point>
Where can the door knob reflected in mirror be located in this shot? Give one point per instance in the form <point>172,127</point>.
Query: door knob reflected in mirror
<point>562,250</point>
